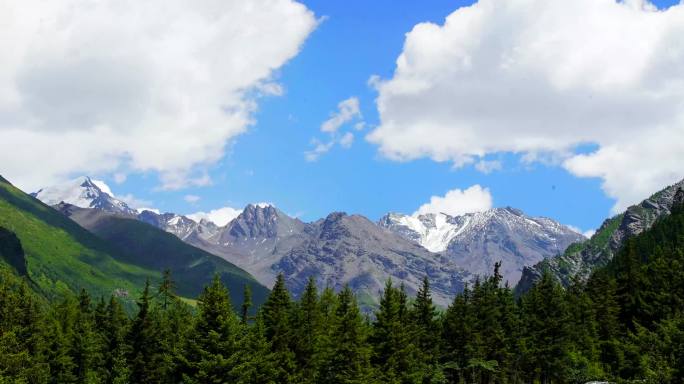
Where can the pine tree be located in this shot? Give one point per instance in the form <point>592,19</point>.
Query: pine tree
<point>143,338</point>
<point>86,343</point>
<point>350,358</point>
<point>546,334</point>
<point>246,304</point>
<point>23,346</point>
<point>113,330</point>
<point>60,329</point>
<point>457,335</point>
<point>424,318</point>
<point>166,294</point>
<point>277,312</point>
<point>394,353</point>
<point>175,321</point>
<point>308,330</point>
<point>214,340</point>
<point>256,363</point>
<point>328,303</point>
<point>583,333</point>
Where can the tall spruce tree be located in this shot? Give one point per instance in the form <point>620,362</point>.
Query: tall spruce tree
<point>349,361</point>
<point>86,344</point>
<point>246,304</point>
<point>144,356</point>
<point>213,342</point>
<point>308,329</point>
<point>113,330</point>
<point>277,314</point>
<point>546,332</point>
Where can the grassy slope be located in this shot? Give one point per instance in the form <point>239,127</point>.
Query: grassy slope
<point>63,257</point>
<point>156,249</point>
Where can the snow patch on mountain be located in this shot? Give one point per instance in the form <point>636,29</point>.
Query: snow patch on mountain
<point>84,192</point>
<point>433,231</point>
<point>478,240</point>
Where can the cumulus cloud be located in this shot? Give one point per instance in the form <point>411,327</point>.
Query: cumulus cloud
<point>129,86</point>
<point>220,216</point>
<point>458,202</point>
<point>541,78</point>
<point>347,111</point>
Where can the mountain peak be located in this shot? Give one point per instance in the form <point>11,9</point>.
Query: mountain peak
<point>480,239</point>
<point>84,192</point>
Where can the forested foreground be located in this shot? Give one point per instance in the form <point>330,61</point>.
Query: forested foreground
<point>625,324</point>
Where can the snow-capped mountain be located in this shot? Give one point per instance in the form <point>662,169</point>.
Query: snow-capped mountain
<point>337,250</point>
<point>84,192</point>
<point>350,249</point>
<point>478,240</point>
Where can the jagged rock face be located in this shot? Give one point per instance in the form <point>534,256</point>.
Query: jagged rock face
<point>352,250</point>
<point>179,225</point>
<point>338,250</point>
<point>476,241</point>
<point>84,192</point>
<point>578,262</point>
<point>259,221</point>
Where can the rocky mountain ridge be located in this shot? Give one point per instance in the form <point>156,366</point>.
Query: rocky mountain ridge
<point>577,262</point>
<point>345,249</point>
<point>478,240</point>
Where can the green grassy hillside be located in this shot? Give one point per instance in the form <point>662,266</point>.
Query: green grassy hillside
<point>153,248</point>
<point>63,257</point>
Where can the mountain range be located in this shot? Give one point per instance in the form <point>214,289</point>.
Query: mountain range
<point>342,249</point>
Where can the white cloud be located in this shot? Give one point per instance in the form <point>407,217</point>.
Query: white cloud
<point>488,166</point>
<point>347,110</point>
<point>588,233</point>
<point>540,78</point>
<point>347,140</point>
<point>136,86</point>
<point>220,216</point>
<point>319,149</point>
<point>120,177</point>
<point>457,202</point>
<point>135,202</point>
<point>192,199</point>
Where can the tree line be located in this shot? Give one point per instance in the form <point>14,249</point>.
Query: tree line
<point>624,324</point>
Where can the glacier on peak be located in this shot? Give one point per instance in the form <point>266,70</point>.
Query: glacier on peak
<point>478,240</point>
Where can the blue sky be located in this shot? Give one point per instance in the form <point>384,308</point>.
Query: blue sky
<point>354,41</point>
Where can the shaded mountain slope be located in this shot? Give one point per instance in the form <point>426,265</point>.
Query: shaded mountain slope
<point>151,247</point>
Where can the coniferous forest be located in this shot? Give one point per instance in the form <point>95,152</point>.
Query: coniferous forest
<point>625,324</point>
